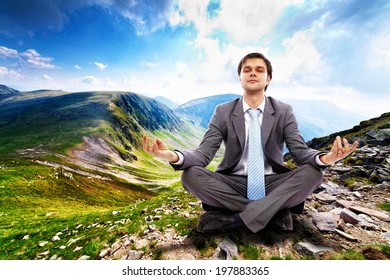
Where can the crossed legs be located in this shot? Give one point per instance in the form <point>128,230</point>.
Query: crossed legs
<point>229,192</point>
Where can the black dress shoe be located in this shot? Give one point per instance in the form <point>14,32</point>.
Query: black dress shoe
<point>213,221</point>
<point>298,209</point>
<point>207,207</point>
<point>283,220</point>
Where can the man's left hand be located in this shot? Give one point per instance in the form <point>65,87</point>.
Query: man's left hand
<point>340,150</point>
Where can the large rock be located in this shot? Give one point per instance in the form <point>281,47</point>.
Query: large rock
<point>311,250</point>
<point>324,221</point>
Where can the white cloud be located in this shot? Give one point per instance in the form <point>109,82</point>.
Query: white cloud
<point>379,50</point>
<point>9,73</point>
<point>241,21</point>
<point>108,83</point>
<point>192,12</point>
<point>35,60</point>
<point>78,67</point>
<point>31,57</point>
<point>128,80</point>
<point>89,80</point>
<point>250,20</point>
<point>8,53</point>
<point>300,60</point>
<point>100,66</point>
<point>46,77</point>
<point>149,64</point>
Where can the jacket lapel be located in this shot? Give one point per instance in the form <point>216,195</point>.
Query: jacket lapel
<point>238,120</point>
<point>268,120</point>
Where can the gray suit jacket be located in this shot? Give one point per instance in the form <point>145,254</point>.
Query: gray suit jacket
<point>228,125</point>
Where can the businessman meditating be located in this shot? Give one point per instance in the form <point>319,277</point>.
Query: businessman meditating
<point>251,186</point>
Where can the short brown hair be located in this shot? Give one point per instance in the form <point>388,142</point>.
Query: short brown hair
<point>256,55</point>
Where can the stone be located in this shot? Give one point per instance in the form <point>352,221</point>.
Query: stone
<point>386,235</point>
<point>350,217</point>
<point>135,254</point>
<point>54,257</point>
<point>324,221</point>
<point>44,254</point>
<point>41,244</point>
<point>78,248</point>
<point>309,249</point>
<point>55,238</point>
<point>227,250</point>
<point>379,214</point>
<point>325,197</point>
<point>341,169</point>
<point>344,203</point>
<point>345,235</point>
<point>84,258</point>
<point>104,253</point>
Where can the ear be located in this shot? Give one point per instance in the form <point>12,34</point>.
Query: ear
<point>268,79</point>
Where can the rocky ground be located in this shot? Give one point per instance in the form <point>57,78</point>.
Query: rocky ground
<point>343,219</point>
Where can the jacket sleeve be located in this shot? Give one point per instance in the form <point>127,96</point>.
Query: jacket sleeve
<point>207,149</point>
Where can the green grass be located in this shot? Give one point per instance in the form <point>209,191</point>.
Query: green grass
<point>384,206</point>
<point>250,252</point>
<point>349,255</point>
<point>40,202</point>
<point>89,224</point>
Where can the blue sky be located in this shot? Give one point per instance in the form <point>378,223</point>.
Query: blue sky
<point>336,50</point>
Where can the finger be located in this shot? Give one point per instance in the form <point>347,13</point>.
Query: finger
<point>339,145</point>
<point>354,145</point>
<point>346,144</point>
<point>334,148</point>
<point>159,142</point>
<point>340,148</point>
<point>154,147</point>
<point>145,140</point>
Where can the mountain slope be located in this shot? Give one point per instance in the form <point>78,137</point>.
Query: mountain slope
<point>169,103</point>
<point>375,131</point>
<point>7,91</point>
<point>200,110</point>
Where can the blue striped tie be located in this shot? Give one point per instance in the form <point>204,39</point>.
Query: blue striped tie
<point>256,189</point>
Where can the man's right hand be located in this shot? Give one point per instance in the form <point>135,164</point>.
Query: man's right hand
<point>159,149</point>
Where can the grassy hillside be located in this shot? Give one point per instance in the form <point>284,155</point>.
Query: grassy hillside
<point>69,158</point>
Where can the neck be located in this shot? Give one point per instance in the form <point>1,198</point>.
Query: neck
<point>253,100</point>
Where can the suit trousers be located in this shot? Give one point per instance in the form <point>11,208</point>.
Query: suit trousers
<point>284,190</point>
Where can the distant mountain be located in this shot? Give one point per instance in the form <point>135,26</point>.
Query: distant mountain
<point>315,117</point>
<point>200,110</point>
<point>169,103</point>
<point>7,91</point>
<point>318,118</point>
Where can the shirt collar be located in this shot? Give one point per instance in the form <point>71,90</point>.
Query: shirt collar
<point>246,107</point>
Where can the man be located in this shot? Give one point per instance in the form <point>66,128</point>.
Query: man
<point>227,193</point>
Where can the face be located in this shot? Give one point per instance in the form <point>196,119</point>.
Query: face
<point>254,76</point>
